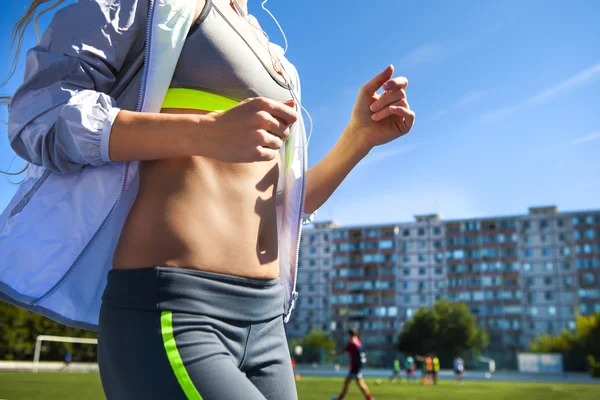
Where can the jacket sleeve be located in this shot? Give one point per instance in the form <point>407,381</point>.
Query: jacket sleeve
<point>61,116</point>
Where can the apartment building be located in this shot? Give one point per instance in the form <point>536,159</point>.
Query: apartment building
<point>520,275</point>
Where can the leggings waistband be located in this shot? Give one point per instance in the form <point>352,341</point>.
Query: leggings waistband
<point>195,292</point>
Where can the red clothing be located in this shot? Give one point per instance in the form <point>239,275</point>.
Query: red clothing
<point>353,348</point>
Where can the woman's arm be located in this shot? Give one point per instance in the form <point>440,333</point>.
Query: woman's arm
<point>325,177</point>
<point>63,118</point>
<point>375,120</point>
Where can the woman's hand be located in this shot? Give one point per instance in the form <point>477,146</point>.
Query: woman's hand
<point>253,130</point>
<point>379,119</point>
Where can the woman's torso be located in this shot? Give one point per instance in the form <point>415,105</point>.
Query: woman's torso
<point>201,213</point>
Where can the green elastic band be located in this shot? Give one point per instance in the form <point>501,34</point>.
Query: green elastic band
<point>197,100</point>
<point>166,327</point>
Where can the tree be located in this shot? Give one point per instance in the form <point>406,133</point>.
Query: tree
<point>447,329</point>
<point>20,328</point>
<point>314,345</point>
<point>575,347</point>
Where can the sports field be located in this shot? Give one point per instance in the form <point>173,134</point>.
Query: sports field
<point>73,386</point>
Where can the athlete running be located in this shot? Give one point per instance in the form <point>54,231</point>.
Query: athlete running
<point>357,361</point>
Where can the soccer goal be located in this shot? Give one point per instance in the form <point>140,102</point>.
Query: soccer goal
<point>62,339</point>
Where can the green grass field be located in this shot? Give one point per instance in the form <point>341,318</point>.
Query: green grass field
<point>72,386</point>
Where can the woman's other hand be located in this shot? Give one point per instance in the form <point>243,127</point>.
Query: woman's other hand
<point>379,119</point>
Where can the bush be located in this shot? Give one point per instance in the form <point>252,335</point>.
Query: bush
<point>594,367</point>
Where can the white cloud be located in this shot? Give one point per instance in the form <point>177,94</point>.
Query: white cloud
<point>587,138</point>
<point>586,76</point>
<point>421,55</point>
<point>384,153</point>
<point>575,142</point>
<point>466,100</point>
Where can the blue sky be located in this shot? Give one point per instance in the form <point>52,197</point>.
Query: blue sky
<point>507,97</point>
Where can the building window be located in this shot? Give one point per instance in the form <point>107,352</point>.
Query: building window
<point>566,266</point>
<point>406,272</point>
<point>548,266</point>
<point>422,271</point>
<point>421,244</point>
<point>421,258</point>
<point>568,280</point>
<point>531,297</point>
<point>548,296</point>
<point>527,267</point>
<point>528,253</point>
<point>407,299</point>
<point>386,244</point>
<point>312,250</point>
<point>548,281</point>
<point>406,233</point>
<point>406,285</point>
<point>552,310</point>
<point>547,252</point>
<point>588,278</point>
<point>421,231</point>
<point>422,299</point>
<point>406,259</point>
<point>530,282</point>
<point>437,230</point>
<point>545,238</point>
<point>421,285</point>
<point>438,270</point>
<point>313,263</point>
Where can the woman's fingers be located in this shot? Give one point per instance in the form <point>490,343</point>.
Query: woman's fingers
<point>387,99</point>
<point>397,83</point>
<point>387,111</point>
<point>269,140</point>
<point>404,118</point>
<point>374,84</point>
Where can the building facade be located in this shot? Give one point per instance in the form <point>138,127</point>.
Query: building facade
<point>521,276</point>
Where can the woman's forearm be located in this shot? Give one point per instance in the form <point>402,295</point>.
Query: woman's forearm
<point>151,136</point>
<point>325,177</point>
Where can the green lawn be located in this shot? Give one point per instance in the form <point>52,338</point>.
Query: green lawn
<point>72,386</point>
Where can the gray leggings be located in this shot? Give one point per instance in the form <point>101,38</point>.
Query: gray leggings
<point>174,334</point>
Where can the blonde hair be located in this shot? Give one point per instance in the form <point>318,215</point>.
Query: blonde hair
<point>16,43</point>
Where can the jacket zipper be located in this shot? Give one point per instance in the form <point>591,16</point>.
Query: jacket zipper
<point>125,168</point>
<point>294,296</point>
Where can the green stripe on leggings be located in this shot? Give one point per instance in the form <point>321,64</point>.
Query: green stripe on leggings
<point>166,327</point>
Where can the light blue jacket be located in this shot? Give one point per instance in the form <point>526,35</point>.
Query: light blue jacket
<point>59,232</point>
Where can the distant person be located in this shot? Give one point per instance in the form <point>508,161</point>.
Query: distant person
<point>296,374</point>
<point>459,369</point>
<point>426,369</point>
<point>396,371</point>
<point>436,369</point>
<point>357,362</point>
<point>410,366</point>
<point>68,359</point>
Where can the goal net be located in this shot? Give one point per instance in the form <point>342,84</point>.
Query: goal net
<point>62,339</point>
